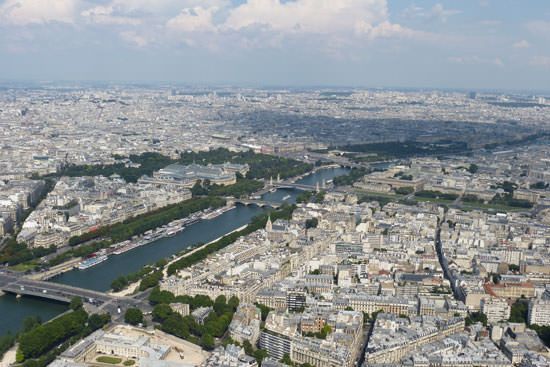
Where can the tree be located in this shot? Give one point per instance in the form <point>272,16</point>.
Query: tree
<point>157,296</point>
<point>150,280</point>
<point>43,338</point>
<point>6,342</point>
<point>220,305</point>
<point>513,267</point>
<point>201,301</point>
<point>476,317</point>
<point>286,359</point>
<point>161,312</point>
<point>233,303</point>
<point>161,263</point>
<point>133,316</point>
<point>519,311</point>
<point>76,303</point>
<point>304,197</point>
<point>176,325</point>
<point>264,310</point>
<point>540,185</point>
<point>248,348</point>
<point>96,321</point>
<point>119,284</point>
<point>30,323</point>
<point>404,190</point>
<point>207,341</point>
<point>312,223</point>
<point>325,331</point>
<point>260,355</point>
<point>473,168</point>
<point>198,189</point>
<point>543,333</point>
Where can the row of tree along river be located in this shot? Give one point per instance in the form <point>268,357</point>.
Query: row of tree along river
<point>100,277</point>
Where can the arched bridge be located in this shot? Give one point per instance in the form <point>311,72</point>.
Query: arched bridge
<point>289,185</point>
<point>293,185</point>
<point>260,203</point>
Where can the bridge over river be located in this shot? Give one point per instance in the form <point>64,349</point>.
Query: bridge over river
<point>23,286</point>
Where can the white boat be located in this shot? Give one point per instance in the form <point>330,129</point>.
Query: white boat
<point>171,232</point>
<point>92,261</point>
<point>128,247</point>
<point>286,197</point>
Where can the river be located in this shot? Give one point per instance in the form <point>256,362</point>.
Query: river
<point>100,277</point>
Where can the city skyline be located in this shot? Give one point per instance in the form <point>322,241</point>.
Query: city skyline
<point>274,183</point>
<point>468,45</point>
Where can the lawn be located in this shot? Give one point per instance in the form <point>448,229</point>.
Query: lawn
<point>434,200</point>
<point>382,197</point>
<point>23,267</point>
<point>109,360</point>
<point>492,207</point>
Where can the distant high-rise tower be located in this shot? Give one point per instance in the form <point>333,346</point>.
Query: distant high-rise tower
<point>352,222</point>
<point>269,225</point>
<point>472,95</point>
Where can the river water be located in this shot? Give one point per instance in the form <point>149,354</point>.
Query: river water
<point>99,277</point>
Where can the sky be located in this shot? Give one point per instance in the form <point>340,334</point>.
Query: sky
<point>466,44</point>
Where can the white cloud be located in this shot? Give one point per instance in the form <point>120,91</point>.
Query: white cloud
<point>268,22</point>
<point>308,16</point>
<point>106,15</point>
<point>213,23</point>
<point>542,61</point>
<point>135,12</point>
<point>25,12</point>
<point>195,19</point>
<point>391,30</point>
<point>439,12</point>
<point>166,7</point>
<point>521,44</point>
<point>413,11</point>
<point>134,39</point>
<point>476,60</point>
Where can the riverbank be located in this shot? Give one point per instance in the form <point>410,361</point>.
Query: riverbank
<point>131,288</point>
<point>8,359</point>
<point>128,291</point>
<point>56,270</point>
<point>136,226</point>
<point>101,276</point>
<point>189,253</point>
